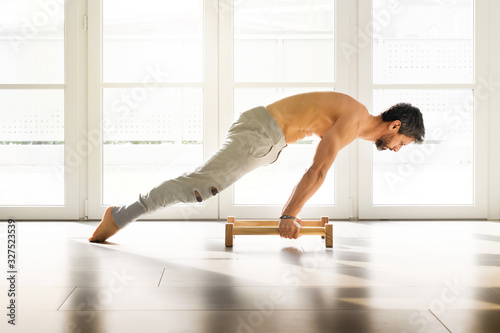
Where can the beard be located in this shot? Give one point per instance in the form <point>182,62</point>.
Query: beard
<point>381,143</point>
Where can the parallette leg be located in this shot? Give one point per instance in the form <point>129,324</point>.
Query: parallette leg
<point>229,231</point>
<point>329,235</point>
<point>324,221</point>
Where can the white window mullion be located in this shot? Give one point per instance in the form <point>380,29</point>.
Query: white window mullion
<point>226,87</point>
<point>493,105</point>
<point>95,211</point>
<point>365,96</point>
<point>483,91</point>
<point>157,85</point>
<point>424,86</point>
<point>210,95</point>
<point>280,85</point>
<point>32,86</point>
<point>74,134</point>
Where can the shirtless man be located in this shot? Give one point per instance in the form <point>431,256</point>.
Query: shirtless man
<point>258,137</point>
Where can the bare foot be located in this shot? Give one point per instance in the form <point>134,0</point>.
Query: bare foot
<point>106,228</point>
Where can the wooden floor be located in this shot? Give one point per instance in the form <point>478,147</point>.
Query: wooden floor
<point>179,277</point>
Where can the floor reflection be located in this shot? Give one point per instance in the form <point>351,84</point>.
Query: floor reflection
<point>316,297</point>
<point>382,279</point>
<point>86,318</point>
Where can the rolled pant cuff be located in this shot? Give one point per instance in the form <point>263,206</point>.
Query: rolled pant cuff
<point>125,214</point>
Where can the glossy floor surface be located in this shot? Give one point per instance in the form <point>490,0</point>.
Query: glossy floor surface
<point>404,277</point>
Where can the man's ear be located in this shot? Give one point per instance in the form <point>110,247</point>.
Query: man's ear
<point>394,125</point>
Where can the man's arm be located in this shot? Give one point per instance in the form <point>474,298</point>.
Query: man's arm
<point>343,132</point>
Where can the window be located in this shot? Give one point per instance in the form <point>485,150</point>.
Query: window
<point>32,96</point>
<point>147,90</point>
<point>282,48</point>
<point>152,94</point>
<point>423,53</point>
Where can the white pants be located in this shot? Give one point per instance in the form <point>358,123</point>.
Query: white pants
<point>254,140</point>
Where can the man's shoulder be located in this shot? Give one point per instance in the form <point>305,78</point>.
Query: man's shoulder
<point>344,104</point>
<point>350,119</point>
<point>354,112</point>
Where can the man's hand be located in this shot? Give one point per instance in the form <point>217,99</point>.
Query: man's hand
<point>290,228</point>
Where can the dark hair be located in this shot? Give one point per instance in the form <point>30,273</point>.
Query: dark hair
<point>412,122</point>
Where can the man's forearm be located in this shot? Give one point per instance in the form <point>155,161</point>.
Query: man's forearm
<point>311,181</point>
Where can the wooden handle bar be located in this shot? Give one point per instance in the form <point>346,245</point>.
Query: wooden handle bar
<point>275,231</point>
<point>270,223</point>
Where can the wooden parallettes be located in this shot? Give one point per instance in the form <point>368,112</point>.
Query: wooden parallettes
<point>270,227</point>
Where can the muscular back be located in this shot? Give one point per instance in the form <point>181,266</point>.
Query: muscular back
<point>315,113</point>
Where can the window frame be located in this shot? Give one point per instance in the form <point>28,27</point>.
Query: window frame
<point>73,37</point>
<point>353,76</point>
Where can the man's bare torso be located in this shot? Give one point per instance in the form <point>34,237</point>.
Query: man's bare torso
<point>307,114</point>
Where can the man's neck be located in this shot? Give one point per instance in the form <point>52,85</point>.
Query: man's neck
<point>372,129</point>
